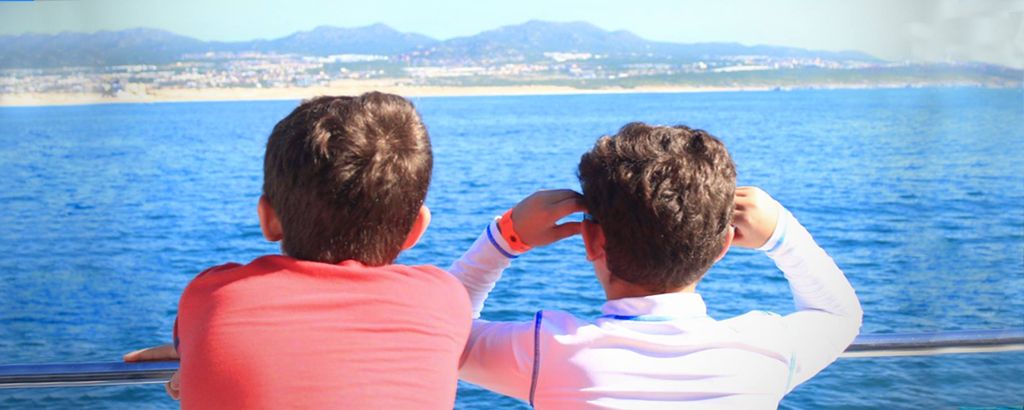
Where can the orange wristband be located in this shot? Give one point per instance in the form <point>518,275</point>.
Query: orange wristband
<point>509,233</point>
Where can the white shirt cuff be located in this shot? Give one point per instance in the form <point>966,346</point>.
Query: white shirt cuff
<point>779,234</point>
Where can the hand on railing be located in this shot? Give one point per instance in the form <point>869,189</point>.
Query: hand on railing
<point>159,353</point>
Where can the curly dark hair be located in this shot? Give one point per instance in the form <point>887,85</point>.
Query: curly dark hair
<point>347,176</point>
<point>664,198</point>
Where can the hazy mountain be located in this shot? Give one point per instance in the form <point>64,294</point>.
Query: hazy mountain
<point>141,45</point>
<point>378,39</point>
<point>535,37</point>
<point>527,40</point>
<point>150,46</point>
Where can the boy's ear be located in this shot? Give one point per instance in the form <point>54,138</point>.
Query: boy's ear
<point>418,228</point>
<point>728,242</point>
<point>269,223</point>
<point>593,240</point>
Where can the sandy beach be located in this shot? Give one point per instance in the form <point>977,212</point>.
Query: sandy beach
<point>361,86</point>
<point>346,88</point>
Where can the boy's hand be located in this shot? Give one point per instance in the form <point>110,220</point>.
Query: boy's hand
<point>755,218</point>
<point>159,353</point>
<point>534,218</point>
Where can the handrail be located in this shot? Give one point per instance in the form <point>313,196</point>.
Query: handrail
<point>928,344</point>
<point>874,345</point>
<point>85,374</point>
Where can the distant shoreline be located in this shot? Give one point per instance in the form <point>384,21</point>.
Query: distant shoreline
<point>359,87</point>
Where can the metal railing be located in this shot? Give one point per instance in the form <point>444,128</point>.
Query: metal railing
<point>875,345</point>
<point>85,374</point>
<point>928,344</point>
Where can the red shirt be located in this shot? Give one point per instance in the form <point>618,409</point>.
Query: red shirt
<point>283,333</point>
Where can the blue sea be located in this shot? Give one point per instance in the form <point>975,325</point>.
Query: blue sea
<point>107,212</point>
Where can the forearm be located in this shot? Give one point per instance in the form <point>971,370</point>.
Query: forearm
<point>497,354</point>
<point>828,315</point>
<point>481,266</point>
<point>814,279</point>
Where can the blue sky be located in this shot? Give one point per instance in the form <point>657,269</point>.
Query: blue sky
<point>891,29</point>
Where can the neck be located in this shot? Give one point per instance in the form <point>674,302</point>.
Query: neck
<point>620,289</point>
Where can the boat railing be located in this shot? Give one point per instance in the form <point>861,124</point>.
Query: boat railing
<point>872,345</point>
<point>929,344</point>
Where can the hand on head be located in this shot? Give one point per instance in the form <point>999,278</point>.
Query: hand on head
<point>535,218</point>
<point>755,217</point>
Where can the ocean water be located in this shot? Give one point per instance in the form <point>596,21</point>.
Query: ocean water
<point>106,213</point>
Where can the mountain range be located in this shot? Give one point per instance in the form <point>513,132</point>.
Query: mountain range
<point>522,41</point>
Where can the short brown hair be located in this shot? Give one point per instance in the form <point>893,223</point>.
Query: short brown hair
<point>347,176</point>
<point>664,198</point>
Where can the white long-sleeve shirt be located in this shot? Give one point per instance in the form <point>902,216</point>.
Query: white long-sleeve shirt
<point>662,351</point>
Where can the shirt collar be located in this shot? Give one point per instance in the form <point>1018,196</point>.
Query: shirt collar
<point>678,304</point>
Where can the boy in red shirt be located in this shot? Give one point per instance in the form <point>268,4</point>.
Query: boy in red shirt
<point>331,323</point>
